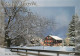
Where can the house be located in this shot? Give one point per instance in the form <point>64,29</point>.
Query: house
<point>36,41</point>
<point>53,41</point>
<point>67,41</point>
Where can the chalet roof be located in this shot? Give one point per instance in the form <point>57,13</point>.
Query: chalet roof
<point>56,37</point>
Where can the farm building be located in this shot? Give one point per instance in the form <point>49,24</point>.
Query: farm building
<point>53,41</point>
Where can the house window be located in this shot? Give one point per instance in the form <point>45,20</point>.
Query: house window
<point>45,40</point>
<point>49,37</point>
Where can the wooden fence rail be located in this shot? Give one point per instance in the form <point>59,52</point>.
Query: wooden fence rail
<point>38,50</point>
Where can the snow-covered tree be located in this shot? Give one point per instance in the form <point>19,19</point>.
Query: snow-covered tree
<point>72,29</point>
<point>21,22</point>
<point>11,9</point>
<point>30,26</point>
<point>2,32</point>
<point>74,32</point>
<point>77,35</point>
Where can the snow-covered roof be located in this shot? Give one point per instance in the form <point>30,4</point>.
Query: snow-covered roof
<point>56,37</point>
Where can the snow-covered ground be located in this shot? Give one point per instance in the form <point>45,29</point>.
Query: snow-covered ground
<point>7,52</point>
<point>59,48</point>
<point>55,48</point>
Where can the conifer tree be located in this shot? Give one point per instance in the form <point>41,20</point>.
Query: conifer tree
<point>72,29</point>
<point>77,42</point>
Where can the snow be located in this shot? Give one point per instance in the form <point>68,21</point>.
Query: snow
<point>55,48</point>
<point>56,37</point>
<point>7,52</point>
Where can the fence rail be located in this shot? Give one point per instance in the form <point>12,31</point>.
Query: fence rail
<point>49,51</point>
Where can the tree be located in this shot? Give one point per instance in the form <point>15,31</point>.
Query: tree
<point>22,23</point>
<point>30,26</point>
<point>72,29</point>
<point>76,32</point>
<point>77,44</point>
<point>11,10</point>
<point>2,32</point>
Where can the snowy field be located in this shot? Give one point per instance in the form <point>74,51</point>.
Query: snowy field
<point>7,52</point>
<point>60,48</point>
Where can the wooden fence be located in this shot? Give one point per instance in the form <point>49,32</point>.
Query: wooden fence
<point>38,50</point>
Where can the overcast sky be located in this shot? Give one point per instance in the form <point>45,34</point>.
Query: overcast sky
<point>60,10</point>
<point>59,3</point>
<point>61,15</point>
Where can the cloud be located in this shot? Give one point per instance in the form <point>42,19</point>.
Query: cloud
<point>56,2</point>
<point>61,15</point>
<point>62,20</point>
<point>59,3</point>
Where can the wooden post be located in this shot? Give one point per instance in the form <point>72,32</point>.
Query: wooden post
<point>38,53</point>
<point>11,50</point>
<point>26,52</point>
<point>17,51</point>
<point>57,53</point>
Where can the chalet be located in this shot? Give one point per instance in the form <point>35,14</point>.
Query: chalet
<point>53,41</point>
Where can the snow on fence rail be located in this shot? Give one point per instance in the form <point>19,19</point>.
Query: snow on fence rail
<point>49,51</point>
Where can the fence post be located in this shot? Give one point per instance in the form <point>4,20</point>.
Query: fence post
<point>38,53</point>
<point>17,51</point>
<point>26,52</point>
<point>11,50</point>
<point>57,53</point>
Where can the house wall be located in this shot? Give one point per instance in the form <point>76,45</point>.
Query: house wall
<point>49,41</point>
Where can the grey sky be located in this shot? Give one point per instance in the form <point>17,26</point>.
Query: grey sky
<point>59,3</point>
<point>63,18</point>
<point>61,15</point>
<point>60,10</point>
